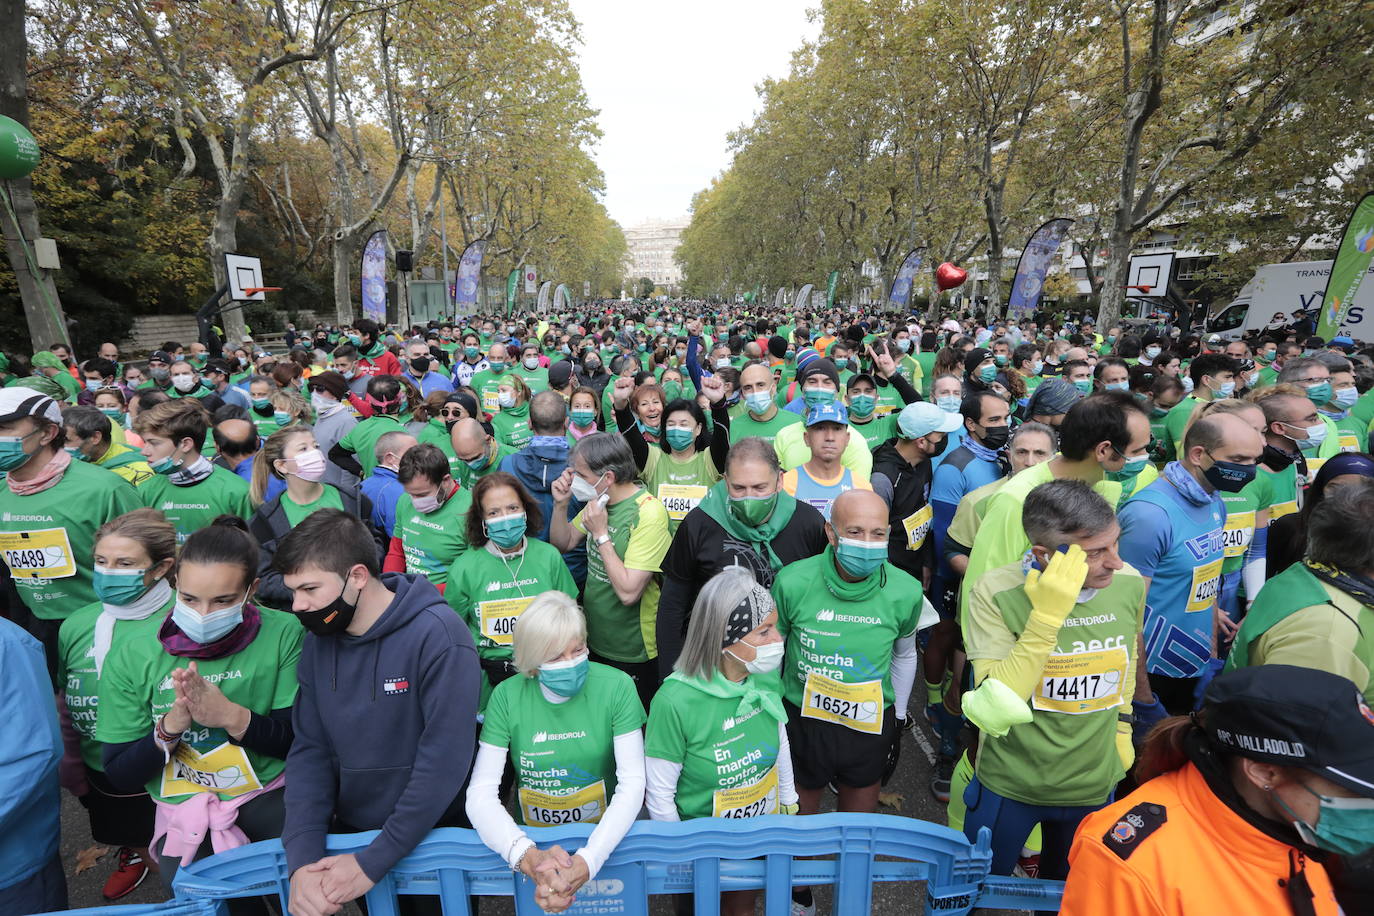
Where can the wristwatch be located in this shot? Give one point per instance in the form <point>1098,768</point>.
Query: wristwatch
<point>602,539</point>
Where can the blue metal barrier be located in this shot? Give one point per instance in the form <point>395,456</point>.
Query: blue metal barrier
<point>702,857</point>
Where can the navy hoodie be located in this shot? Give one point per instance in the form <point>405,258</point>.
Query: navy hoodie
<point>537,467</point>
<point>385,728</point>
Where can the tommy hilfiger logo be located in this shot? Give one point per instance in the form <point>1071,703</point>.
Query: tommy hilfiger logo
<point>395,685</point>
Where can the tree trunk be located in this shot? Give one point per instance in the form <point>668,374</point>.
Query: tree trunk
<point>1114,275</point>
<point>42,306</point>
<point>343,288</point>
<point>223,239</point>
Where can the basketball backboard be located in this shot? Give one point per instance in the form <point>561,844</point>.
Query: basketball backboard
<point>1149,274</point>
<point>245,273</point>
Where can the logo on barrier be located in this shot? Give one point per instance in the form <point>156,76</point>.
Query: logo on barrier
<point>951,903</point>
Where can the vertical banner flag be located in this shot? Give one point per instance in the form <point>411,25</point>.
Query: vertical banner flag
<point>470,273</point>
<point>803,299</point>
<point>780,300</point>
<point>1349,268</point>
<point>373,277</point>
<point>586,289</point>
<point>900,294</point>
<point>830,288</point>
<point>512,282</point>
<point>561,295</point>
<point>543,303</point>
<point>1035,261</point>
<point>531,279</point>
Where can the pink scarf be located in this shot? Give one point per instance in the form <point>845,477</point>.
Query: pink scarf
<point>52,472</point>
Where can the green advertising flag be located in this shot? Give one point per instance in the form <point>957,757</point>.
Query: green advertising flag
<point>511,282</point>
<point>1349,268</point>
<point>830,288</point>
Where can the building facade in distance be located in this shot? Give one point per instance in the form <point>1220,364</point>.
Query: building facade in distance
<point>652,245</point>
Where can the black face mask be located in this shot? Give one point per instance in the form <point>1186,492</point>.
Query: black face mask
<point>994,437</point>
<point>420,365</point>
<point>1276,458</point>
<point>333,618</point>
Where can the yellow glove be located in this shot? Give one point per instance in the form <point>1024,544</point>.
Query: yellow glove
<point>1054,592</point>
<point>1125,747</point>
<point>788,809</point>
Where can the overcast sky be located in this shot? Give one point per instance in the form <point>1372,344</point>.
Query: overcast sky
<point>671,78</point>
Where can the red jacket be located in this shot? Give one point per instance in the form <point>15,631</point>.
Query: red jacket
<point>385,363</point>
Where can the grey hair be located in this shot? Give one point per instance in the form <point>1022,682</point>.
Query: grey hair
<point>1031,426</point>
<point>604,452</point>
<point>386,442</point>
<point>701,648</point>
<point>1295,369</point>
<point>1339,533</point>
<point>1056,511</point>
<point>544,630</point>
<point>1334,362</point>
<point>87,421</point>
<point>753,448</point>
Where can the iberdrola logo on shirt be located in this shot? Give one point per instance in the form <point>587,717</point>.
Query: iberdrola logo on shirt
<point>825,614</point>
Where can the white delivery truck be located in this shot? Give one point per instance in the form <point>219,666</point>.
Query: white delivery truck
<point>1277,290</point>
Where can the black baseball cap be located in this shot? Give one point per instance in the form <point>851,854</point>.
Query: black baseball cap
<point>1294,716</point>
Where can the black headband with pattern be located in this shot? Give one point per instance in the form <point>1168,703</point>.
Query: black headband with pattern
<point>748,614</point>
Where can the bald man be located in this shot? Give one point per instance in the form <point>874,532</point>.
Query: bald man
<point>849,621</point>
<point>1173,534</point>
<point>477,451</point>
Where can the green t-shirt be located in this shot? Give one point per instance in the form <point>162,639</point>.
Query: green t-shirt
<point>433,542</point>
<point>680,484</point>
<point>512,426</point>
<point>1241,509</point>
<point>563,753</point>
<point>76,667</point>
<point>1174,424</point>
<point>265,425</point>
<point>136,690</point>
<point>490,592</point>
<point>743,424</point>
<point>70,386</point>
<point>1066,754</point>
<point>47,537</point>
<point>1352,434</point>
<point>329,498</point>
<point>638,526</point>
<point>721,749</point>
<point>1363,410</point>
<point>536,379</point>
<point>486,383</point>
<point>927,362</point>
<point>361,440</point>
<point>843,632</point>
<point>1278,490</point>
<point>436,434</point>
<point>193,508</point>
<point>877,430</point>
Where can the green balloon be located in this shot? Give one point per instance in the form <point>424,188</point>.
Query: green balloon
<point>18,149</point>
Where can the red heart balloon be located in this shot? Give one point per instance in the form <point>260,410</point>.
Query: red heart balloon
<point>948,276</point>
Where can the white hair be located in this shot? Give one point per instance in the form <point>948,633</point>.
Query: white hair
<point>545,629</point>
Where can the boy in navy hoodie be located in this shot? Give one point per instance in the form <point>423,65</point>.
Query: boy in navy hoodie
<point>386,716</point>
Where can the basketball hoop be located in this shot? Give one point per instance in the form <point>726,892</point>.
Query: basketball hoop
<point>254,290</point>
<point>1140,288</point>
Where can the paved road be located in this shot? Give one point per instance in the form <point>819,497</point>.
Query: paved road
<point>911,782</point>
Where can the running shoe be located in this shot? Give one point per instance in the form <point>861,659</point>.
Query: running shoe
<point>939,781</point>
<point>129,875</point>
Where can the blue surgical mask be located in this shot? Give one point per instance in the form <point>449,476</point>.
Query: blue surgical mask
<point>210,627</point>
<point>815,397</point>
<point>507,530</point>
<point>1319,393</point>
<point>76,453</point>
<point>861,559</point>
<point>1345,826</point>
<point>1130,470</point>
<point>118,586</point>
<point>165,465</point>
<point>1084,385</point>
<point>862,405</point>
<point>949,403</point>
<point>1316,435</point>
<point>1116,386</point>
<point>904,344</point>
<point>94,384</point>
<point>115,414</point>
<point>841,362</point>
<point>758,402</point>
<point>987,375</point>
<point>1345,398</point>
<point>1229,388</point>
<point>565,678</point>
<point>1152,351</point>
<point>497,365</point>
<point>281,417</point>
<point>1037,367</point>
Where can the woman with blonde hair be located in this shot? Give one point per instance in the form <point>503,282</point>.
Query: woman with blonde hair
<point>584,720</point>
<point>293,456</point>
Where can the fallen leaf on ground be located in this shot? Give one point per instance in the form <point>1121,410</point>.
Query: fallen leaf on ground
<point>87,858</point>
<point>891,799</point>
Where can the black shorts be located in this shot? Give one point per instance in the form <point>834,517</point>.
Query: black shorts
<point>117,818</point>
<point>823,752</point>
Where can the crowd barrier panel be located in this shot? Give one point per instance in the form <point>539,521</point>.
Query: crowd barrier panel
<point>703,857</point>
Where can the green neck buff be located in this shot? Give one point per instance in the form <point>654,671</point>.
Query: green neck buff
<point>716,504</point>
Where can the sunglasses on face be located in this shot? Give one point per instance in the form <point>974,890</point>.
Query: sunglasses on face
<point>452,412</point>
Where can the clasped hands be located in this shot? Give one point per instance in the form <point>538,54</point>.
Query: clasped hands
<point>556,875</point>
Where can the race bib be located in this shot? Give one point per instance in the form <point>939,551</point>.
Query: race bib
<point>758,798</point>
<point>1078,683</point>
<point>883,410</point>
<point>679,499</point>
<point>225,770</point>
<point>1313,466</point>
<point>1349,442</point>
<point>490,401</point>
<point>1279,510</point>
<point>917,526</point>
<point>1240,528</point>
<point>44,553</point>
<point>856,706</point>
<point>498,618</point>
<point>585,806</point>
<point>1202,594</point>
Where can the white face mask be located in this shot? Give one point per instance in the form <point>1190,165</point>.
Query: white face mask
<point>767,657</point>
<point>583,491</point>
<point>531,362</point>
<point>183,383</point>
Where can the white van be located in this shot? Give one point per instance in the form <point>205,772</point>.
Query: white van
<point>1277,290</point>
